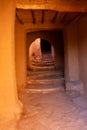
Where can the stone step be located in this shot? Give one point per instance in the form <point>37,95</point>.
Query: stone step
<point>47,59</point>
<point>47,56</point>
<point>44,75</point>
<point>47,72</point>
<point>46,63</point>
<point>58,81</point>
<point>37,68</point>
<point>44,90</point>
<point>43,63</point>
<point>45,80</point>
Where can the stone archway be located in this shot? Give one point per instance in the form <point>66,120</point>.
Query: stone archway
<point>40,50</point>
<point>55,39</point>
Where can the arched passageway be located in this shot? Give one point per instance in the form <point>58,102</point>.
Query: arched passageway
<point>54,40</point>
<point>40,53</point>
<point>45,60</point>
<point>43,15</point>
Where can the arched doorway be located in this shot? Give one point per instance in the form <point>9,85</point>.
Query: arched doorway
<point>40,53</point>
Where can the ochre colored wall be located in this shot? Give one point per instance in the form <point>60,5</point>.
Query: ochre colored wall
<point>55,38</point>
<point>71,53</point>
<point>9,104</point>
<point>20,55</point>
<point>72,79</point>
<point>82,43</point>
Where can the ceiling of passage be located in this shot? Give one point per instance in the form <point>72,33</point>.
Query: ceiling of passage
<point>40,14</point>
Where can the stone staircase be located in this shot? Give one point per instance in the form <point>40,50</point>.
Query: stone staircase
<point>45,80</point>
<point>44,77</point>
<point>47,57</point>
<point>46,63</point>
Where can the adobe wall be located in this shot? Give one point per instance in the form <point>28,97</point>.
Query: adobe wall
<point>82,44</point>
<point>9,103</point>
<point>55,38</point>
<point>71,49</point>
<point>71,52</point>
<point>20,55</point>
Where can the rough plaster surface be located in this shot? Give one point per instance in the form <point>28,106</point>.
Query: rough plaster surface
<point>9,103</point>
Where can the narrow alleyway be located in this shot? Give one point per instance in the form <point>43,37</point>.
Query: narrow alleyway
<point>47,106</point>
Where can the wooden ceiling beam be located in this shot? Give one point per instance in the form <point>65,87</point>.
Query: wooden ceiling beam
<point>58,5</point>
<point>45,26</point>
<point>33,17</point>
<point>42,21</point>
<point>64,16</point>
<point>54,18</point>
<point>18,17</point>
<point>60,16</point>
<point>75,19</point>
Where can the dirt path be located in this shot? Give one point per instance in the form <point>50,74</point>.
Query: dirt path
<point>54,110</point>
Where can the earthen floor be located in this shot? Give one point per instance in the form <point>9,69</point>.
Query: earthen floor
<point>53,110</point>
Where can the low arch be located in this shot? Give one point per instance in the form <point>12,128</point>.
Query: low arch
<point>55,39</point>
<point>38,49</point>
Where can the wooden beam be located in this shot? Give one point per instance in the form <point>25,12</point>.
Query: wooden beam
<point>75,19</point>
<point>44,26</point>
<point>58,5</point>
<point>19,19</point>
<point>60,16</point>
<point>64,16</point>
<point>54,18</point>
<point>33,16</point>
<point>79,15</point>
<point>42,21</point>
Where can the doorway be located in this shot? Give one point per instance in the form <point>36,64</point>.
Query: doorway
<point>45,46</point>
